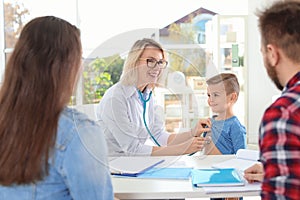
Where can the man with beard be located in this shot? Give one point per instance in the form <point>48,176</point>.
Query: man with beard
<point>279,140</point>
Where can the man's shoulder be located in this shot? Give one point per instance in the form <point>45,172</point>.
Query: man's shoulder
<point>289,100</point>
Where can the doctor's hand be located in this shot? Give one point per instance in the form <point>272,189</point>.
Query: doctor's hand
<point>193,145</point>
<point>255,173</point>
<point>203,125</point>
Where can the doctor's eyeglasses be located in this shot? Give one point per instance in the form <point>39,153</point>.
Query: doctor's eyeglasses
<point>151,63</point>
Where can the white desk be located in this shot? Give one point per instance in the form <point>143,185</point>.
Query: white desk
<point>134,188</point>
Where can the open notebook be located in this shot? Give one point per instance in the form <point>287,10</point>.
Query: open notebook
<point>244,158</point>
<point>132,166</point>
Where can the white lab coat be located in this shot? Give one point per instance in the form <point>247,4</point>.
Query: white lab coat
<point>120,113</point>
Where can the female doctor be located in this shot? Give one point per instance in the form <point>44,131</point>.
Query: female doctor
<point>127,110</point>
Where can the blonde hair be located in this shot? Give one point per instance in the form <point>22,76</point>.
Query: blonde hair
<point>129,74</point>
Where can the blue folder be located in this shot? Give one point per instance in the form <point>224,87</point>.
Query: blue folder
<point>132,166</point>
<point>217,177</point>
<point>163,173</point>
<point>167,173</point>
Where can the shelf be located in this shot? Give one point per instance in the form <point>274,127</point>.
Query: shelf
<point>181,110</point>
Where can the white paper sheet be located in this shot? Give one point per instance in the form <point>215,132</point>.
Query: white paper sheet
<point>244,159</point>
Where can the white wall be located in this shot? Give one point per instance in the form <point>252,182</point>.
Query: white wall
<point>260,87</point>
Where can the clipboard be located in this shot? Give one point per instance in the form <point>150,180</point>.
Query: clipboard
<point>132,166</point>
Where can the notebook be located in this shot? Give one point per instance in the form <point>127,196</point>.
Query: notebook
<point>217,177</point>
<point>249,187</point>
<point>244,158</point>
<point>132,166</point>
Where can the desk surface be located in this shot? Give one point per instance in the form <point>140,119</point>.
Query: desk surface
<point>134,188</point>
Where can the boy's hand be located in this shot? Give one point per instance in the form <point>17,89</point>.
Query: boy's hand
<point>202,126</point>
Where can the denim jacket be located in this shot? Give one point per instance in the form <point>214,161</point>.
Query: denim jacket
<point>78,167</point>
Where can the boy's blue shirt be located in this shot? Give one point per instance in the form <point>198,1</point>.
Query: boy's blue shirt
<point>228,135</point>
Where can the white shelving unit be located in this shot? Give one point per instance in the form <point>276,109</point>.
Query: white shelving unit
<point>229,41</point>
<point>229,53</point>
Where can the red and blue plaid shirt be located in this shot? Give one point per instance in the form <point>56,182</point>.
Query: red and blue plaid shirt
<point>280,144</point>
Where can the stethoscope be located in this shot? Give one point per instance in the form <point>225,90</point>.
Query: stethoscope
<point>144,115</point>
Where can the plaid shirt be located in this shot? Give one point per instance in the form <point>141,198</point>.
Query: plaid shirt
<point>280,144</point>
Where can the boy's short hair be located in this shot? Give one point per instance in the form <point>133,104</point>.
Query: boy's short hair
<point>230,81</point>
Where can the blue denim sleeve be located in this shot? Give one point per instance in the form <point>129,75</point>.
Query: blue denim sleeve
<point>86,165</point>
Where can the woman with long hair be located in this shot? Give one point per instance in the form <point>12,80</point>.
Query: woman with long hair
<point>48,151</point>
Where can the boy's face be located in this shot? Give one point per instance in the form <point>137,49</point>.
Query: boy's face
<point>218,101</point>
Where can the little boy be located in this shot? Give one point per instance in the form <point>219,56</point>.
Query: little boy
<point>227,133</point>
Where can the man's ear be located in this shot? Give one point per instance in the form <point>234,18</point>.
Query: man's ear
<point>272,54</point>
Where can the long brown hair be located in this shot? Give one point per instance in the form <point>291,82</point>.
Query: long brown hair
<point>39,80</point>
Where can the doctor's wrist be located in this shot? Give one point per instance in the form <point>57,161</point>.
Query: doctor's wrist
<point>193,132</point>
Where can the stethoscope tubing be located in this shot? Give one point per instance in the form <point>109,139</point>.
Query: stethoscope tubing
<point>144,115</point>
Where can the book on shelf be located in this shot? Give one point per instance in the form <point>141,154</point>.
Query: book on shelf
<point>217,177</point>
<point>132,166</point>
<point>244,158</point>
